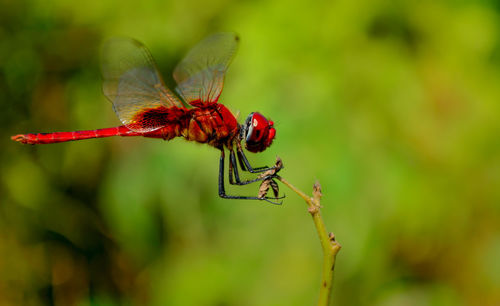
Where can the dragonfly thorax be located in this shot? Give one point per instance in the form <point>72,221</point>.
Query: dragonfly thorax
<point>258,132</point>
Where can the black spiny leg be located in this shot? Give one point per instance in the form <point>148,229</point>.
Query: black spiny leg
<point>234,165</point>
<point>244,163</point>
<point>222,190</point>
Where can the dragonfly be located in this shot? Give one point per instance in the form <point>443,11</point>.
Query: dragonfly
<point>147,107</point>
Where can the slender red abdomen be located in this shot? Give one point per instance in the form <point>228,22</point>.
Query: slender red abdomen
<point>214,125</point>
<point>45,138</point>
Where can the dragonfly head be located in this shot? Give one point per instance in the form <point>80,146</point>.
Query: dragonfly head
<point>258,132</point>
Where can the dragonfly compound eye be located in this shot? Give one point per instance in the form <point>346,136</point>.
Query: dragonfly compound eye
<point>260,132</point>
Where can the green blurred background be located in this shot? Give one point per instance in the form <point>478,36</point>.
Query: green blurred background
<point>392,106</point>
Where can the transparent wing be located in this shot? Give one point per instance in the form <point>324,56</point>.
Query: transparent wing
<point>200,75</point>
<point>134,86</point>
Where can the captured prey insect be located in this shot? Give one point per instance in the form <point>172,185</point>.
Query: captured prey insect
<point>146,107</point>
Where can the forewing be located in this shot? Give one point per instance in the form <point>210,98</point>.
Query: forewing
<point>200,75</point>
<point>133,84</point>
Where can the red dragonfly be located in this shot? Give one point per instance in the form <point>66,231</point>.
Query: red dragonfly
<point>146,107</point>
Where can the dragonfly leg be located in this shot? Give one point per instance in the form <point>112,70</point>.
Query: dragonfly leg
<point>222,190</point>
<point>244,163</point>
<point>234,166</point>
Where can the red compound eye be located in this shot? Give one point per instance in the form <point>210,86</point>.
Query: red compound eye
<point>260,133</point>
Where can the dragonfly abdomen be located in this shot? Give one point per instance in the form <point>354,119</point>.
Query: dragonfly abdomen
<point>46,138</point>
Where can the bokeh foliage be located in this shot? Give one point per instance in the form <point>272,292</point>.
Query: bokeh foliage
<point>393,106</point>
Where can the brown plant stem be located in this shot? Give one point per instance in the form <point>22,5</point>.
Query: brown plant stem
<point>328,244</point>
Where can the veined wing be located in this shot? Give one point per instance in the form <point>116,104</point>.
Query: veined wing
<point>200,75</point>
<point>134,86</point>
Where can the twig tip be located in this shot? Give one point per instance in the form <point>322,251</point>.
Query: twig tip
<point>317,192</point>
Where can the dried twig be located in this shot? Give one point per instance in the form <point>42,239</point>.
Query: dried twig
<point>269,182</point>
